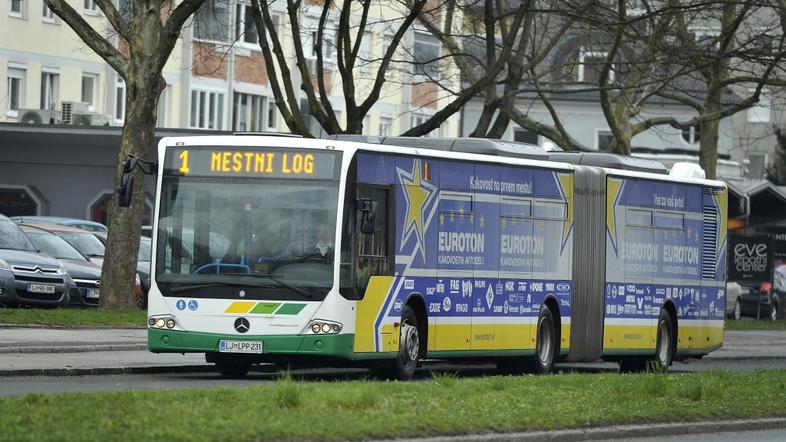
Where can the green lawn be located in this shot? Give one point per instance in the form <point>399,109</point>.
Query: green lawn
<point>753,324</point>
<point>73,317</point>
<point>369,409</point>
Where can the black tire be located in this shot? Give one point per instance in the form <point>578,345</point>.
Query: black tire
<point>546,344</point>
<point>736,314</point>
<point>410,345</point>
<point>664,345</point>
<point>233,368</point>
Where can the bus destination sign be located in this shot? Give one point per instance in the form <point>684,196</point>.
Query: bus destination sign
<point>251,162</point>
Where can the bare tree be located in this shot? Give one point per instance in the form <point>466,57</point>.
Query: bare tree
<point>147,40</point>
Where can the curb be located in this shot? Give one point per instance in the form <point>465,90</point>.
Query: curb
<point>72,348</point>
<point>161,369</point>
<point>617,431</point>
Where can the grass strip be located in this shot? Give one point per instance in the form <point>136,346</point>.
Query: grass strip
<point>753,324</point>
<point>74,317</point>
<point>296,410</point>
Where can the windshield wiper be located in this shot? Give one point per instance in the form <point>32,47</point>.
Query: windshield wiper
<point>291,287</point>
<point>184,288</point>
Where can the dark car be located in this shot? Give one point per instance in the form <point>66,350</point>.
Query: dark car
<point>765,300</point>
<point>86,274</point>
<point>142,266</point>
<point>71,222</point>
<point>28,277</point>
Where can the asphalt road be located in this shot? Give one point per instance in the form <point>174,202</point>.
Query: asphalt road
<point>757,436</point>
<point>14,385</point>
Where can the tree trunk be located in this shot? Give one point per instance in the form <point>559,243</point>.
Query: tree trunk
<point>119,269</point>
<point>708,148</point>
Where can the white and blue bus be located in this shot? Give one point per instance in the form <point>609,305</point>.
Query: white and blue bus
<point>382,252</point>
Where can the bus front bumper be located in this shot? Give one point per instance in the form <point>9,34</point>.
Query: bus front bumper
<point>175,341</point>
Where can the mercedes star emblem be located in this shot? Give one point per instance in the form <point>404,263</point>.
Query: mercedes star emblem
<point>242,325</point>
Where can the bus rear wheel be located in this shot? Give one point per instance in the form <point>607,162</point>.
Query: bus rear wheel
<point>546,345</point>
<point>664,350</point>
<point>232,367</point>
<point>409,346</point>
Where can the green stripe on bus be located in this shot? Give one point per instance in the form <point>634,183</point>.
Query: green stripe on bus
<point>290,309</point>
<point>265,308</point>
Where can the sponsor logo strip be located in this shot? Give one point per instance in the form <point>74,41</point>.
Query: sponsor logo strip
<point>290,309</point>
<point>265,308</point>
<point>240,307</point>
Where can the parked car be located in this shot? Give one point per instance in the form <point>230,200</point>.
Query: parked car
<point>86,274</point>
<point>142,265</point>
<point>28,277</point>
<point>764,300</point>
<point>83,224</point>
<point>82,240</point>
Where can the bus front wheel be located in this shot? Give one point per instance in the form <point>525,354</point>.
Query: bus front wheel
<point>232,367</point>
<point>409,346</point>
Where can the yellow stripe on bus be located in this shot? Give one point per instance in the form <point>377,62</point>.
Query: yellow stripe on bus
<point>367,311</point>
<point>240,307</point>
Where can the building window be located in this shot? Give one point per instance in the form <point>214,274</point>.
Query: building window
<point>418,119</point>
<point>18,201</point>
<point>385,124</point>
<point>590,65</point>
<point>603,139</point>
<point>49,90</point>
<point>89,82</point>
<point>126,9</point>
<point>525,136</point>
<point>425,54</point>
<point>363,61</point>
<point>16,89</point>
<point>163,108</point>
<point>120,101</point>
<point>248,112</point>
<point>272,115</point>
<point>207,110</point>
<point>99,209</point>
<point>47,15</point>
<point>211,21</point>
<point>328,41</point>
<point>245,26</point>
<point>706,38</point>
<point>757,166</point>
<point>17,8</point>
<point>691,135</point>
<point>90,6</point>
<point>760,112</point>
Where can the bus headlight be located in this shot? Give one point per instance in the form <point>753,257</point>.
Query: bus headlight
<point>164,321</point>
<point>323,327</point>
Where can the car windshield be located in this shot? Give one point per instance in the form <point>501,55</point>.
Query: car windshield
<point>272,238</point>
<point>145,249</point>
<point>11,237</point>
<point>54,246</point>
<point>86,243</point>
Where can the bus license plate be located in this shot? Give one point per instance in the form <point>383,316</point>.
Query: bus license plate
<point>91,293</point>
<point>239,346</point>
<point>40,288</point>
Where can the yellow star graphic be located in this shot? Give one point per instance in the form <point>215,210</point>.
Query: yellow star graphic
<point>461,212</point>
<point>416,197</point>
<point>452,216</point>
<point>441,219</point>
<point>483,220</point>
<point>513,221</point>
<point>471,217</point>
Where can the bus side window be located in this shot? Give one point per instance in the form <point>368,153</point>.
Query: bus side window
<point>372,251</point>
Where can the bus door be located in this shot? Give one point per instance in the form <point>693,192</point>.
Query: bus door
<point>490,330</point>
<point>517,246</point>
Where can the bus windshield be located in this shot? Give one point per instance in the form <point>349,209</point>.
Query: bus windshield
<point>249,238</point>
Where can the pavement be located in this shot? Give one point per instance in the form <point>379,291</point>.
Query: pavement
<point>81,351</point>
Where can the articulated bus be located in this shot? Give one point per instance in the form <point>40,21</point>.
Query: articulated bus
<point>382,252</point>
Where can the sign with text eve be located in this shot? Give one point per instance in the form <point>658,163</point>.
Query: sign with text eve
<point>251,162</point>
<point>750,258</point>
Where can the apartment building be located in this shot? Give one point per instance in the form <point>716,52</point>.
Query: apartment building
<point>216,81</point>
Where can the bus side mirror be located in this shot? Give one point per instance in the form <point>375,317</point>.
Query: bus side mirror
<point>126,190</point>
<point>368,218</point>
